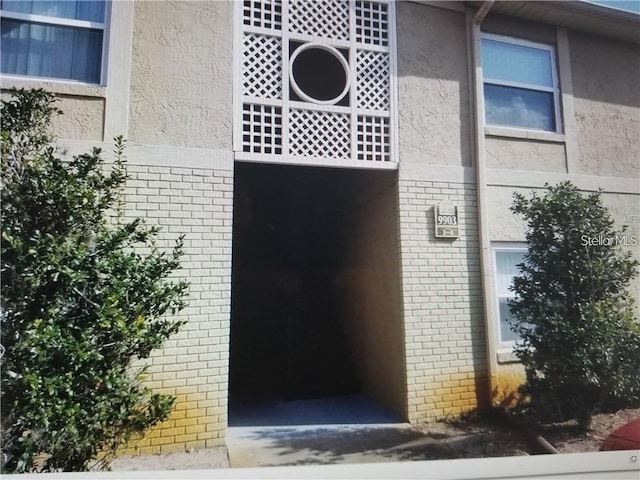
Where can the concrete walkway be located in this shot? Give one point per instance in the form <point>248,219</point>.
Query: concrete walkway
<point>337,430</point>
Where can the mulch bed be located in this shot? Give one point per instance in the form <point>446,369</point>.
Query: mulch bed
<point>492,436</point>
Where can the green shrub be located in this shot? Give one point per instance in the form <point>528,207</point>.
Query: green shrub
<point>580,341</point>
<point>80,303</point>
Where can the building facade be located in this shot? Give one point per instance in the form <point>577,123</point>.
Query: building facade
<point>343,172</point>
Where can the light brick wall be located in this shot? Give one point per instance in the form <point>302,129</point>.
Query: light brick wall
<point>193,365</point>
<point>374,315</point>
<point>444,332</point>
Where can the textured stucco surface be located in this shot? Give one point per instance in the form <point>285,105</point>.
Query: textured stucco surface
<point>625,210</point>
<point>82,117</point>
<point>433,87</point>
<point>181,74</point>
<point>519,28</point>
<point>504,226</point>
<point>522,154</point>
<point>607,105</point>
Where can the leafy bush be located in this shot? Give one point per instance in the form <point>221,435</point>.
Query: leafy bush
<point>580,341</point>
<point>80,303</point>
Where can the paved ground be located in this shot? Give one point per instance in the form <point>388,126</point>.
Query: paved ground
<point>338,430</point>
<point>349,429</point>
<point>199,459</point>
<point>329,444</point>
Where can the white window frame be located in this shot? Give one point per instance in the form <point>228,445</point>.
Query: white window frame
<point>554,89</point>
<point>66,22</point>
<point>503,247</point>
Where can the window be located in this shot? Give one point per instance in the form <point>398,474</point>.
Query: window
<point>53,39</point>
<point>507,259</point>
<point>520,84</point>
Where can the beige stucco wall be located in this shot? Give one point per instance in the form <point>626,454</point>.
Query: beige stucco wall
<point>83,109</point>
<point>507,227</point>
<point>625,210</point>
<point>504,226</point>
<point>524,154</point>
<point>181,74</point>
<point>433,87</point>
<point>82,119</point>
<point>607,105</point>
<point>519,28</point>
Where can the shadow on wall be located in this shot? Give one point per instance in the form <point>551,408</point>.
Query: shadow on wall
<point>602,69</point>
<point>433,85</point>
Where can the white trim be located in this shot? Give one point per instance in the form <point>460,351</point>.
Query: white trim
<point>393,83</point>
<point>436,173</point>
<point>566,92</point>
<point>621,464</point>
<point>117,68</point>
<point>237,76</point>
<point>55,21</point>
<point>353,94</point>
<point>514,132</point>
<point>473,21</point>
<point>106,42</point>
<point>314,161</point>
<point>497,321</point>
<point>304,38</point>
<point>333,51</point>
<point>270,32</point>
<point>55,85</point>
<point>518,85</point>
<point>517,41</point>
<point>286,102</point>
<point>318,107</point>
<point>554,89</point>
<point>155,155</point>
<point>412,170</point>
<point>506,355</point>
<point>531,179</point>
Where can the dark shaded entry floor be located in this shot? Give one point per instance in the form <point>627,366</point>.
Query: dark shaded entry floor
<point>340,410</point>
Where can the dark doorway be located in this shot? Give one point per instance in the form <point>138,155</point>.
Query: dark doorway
<point>298,281</point>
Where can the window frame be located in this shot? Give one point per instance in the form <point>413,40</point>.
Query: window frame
<point>554,89</point>
<point>70,23</point>
<point>503,247</point>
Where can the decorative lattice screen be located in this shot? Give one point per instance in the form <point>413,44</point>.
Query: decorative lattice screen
<point>316,82</point>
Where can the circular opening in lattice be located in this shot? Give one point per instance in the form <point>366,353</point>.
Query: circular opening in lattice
<point>319,74</point>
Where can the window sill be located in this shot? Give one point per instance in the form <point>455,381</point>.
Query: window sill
<point>507,132</point>
<point>59,87</point>
<point>506,356</point>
